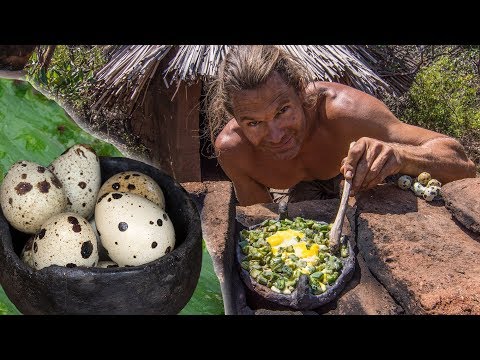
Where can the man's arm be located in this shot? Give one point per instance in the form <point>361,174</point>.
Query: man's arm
<point>442,156</point>
<point>234,158</point>
<point>247,190</point>
<point>385,145</point>
<point>371,160</point>
<point>250,192</point>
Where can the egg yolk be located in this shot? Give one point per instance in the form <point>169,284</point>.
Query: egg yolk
<point>284,238</point>
<point>302,252</point>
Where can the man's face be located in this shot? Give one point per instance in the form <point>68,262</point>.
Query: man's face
<point>272,117</point>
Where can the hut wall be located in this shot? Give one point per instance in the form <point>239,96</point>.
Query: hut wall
<point>170,127</point>
<point>15,57</point>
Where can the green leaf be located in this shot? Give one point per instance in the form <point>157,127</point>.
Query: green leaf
<point>42,76</point>
<point>207,298</point>
<point>37,129</point>
<point>6,307</point>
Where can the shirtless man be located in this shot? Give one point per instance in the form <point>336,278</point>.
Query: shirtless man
<point>271,128</point>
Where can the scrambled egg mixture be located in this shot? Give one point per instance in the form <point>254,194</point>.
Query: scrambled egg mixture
<point>285,238</point>
<point>278,252</point>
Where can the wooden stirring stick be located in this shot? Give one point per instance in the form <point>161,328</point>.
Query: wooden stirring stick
<point>336,231</point>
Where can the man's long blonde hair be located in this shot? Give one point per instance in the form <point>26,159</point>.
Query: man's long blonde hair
<point>247,67</point>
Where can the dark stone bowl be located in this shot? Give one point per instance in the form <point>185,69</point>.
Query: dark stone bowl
<point>163,286</point>
<point>302,298</point>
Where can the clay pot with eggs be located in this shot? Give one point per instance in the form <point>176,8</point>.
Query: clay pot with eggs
<point>152,285</point>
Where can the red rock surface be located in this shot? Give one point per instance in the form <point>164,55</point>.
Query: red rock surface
<point>418,252</point>
<point>195,188</point>
<point>215,200</point>
<point>462,198</point>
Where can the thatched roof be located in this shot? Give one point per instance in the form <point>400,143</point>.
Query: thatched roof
<point>396,65</point>
<point>131,68</point>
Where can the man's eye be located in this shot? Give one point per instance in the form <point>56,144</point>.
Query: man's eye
<point>253,123</point>
<point>283,109</point>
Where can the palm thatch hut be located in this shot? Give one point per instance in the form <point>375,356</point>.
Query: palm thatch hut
<point>160,89</point>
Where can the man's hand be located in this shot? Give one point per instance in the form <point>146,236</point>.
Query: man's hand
<point>369,162</point>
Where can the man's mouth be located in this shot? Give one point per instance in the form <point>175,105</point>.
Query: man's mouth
<point>284,145</point>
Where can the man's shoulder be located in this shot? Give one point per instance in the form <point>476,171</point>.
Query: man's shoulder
<point>228,139</point>
<point>341,101</point>
<point>328,88</point>
<point>231,144</point>
<point>333,95</point>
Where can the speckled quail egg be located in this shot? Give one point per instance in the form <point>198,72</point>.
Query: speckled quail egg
<point>436,189</point>
<point>136,183</point>
<point>133,229</point>
<point>27,252</point>
<point>29,195</point>
<point>107,264</point>
<point>418,188</point>
<point>434,182</point>
<point>424,178</point>
<point>429,194</point>
<point>66,239</point>
<point>404,182</point>
<point>102,252</point>
<point>78,169</point>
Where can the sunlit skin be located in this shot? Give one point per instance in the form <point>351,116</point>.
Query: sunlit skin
<point>274,142</point>
<point>272,121</point>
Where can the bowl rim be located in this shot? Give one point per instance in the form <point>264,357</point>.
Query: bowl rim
<point>333,291</point>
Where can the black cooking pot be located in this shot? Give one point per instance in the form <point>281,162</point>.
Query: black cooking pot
<point>302,298</point>
<point>163,286</point>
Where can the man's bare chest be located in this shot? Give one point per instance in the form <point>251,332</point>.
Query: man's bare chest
<point>285,174</point>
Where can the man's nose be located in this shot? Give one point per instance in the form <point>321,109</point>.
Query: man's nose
<point>275,133</point>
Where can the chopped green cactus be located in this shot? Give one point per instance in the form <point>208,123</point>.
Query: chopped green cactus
<point>278,252</point>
